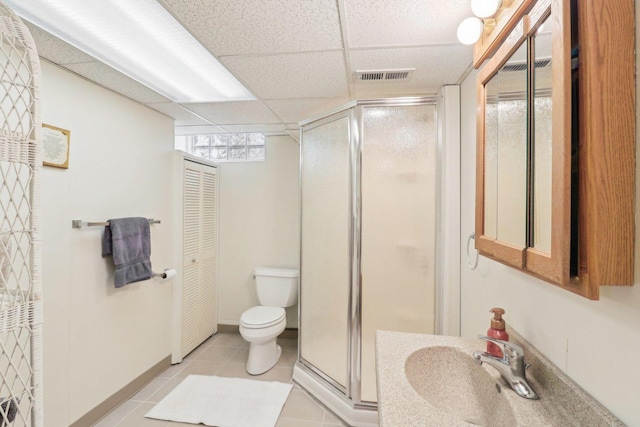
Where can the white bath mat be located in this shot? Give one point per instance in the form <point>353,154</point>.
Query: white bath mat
<point>223,402</point>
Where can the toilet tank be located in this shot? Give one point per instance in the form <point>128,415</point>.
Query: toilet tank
<point>277,287</point>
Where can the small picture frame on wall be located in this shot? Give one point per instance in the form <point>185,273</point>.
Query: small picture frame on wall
<point>55,146</point>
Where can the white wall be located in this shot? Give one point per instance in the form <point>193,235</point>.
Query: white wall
<point>596,343</point>
<point>259,225</point>
<point>97,338</point>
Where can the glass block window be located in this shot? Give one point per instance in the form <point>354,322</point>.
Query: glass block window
<point>225,147</point>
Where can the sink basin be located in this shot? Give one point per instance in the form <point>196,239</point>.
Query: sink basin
<point>432,380</point>
<point>448,379</point>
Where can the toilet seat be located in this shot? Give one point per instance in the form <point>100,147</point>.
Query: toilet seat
<point>262,317</point>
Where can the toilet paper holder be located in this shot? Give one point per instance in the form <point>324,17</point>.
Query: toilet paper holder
<point>168,273</point>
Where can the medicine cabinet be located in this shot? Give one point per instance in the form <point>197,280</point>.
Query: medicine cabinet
<point>555,181</point>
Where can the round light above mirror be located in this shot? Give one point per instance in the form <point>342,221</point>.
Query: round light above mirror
<point>485,8</point>
<point>470,30</point>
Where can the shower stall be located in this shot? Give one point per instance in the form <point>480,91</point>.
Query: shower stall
<point>369,195</point>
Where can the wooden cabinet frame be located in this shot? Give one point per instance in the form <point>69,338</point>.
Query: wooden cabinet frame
<point>605,142</point>
<point>507,253</point>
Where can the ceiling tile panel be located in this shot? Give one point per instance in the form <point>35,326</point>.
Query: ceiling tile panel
<point>234,113</point>
<point>182,116</point>
<point>116,81</point>
<point>435,66</point>
<point>264,128</point>
<point>198,130</point>
<point>303,75</point>
<point>233,27</point>
<point>409,22</point>
<point>296,110</point>
<point>295,135</point>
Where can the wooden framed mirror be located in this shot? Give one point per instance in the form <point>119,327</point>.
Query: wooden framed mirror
<point>501,204</point>
<point>556,141</point>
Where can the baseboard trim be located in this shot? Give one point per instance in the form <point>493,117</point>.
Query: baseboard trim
<point>228,329</point>
<point>120,396</point>
<point>235,329</point>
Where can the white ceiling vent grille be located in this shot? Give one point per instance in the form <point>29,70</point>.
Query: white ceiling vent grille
<point>379,75</point>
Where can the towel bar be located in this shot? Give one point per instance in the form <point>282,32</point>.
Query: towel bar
<point>78,223</point>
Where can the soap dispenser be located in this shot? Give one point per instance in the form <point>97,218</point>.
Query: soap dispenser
<point>497,331</point>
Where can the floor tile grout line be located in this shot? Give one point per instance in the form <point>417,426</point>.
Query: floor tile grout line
<point>124,417</point>
<point>229,359</point>
<point>186,363</point>
<point>319,403</point>
<point>299,419</point>
<point>164,382</point>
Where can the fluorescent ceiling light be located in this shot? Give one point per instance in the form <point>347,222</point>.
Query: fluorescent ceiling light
<point>140,39</point>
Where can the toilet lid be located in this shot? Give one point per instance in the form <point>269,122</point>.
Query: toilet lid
<point>262,316</point>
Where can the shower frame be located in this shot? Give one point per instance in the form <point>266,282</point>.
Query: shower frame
<point>363,411</point>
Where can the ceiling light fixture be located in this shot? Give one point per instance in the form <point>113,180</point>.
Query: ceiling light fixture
<point>470,30</point>
<point>485,8</point>
<point>140,39</point>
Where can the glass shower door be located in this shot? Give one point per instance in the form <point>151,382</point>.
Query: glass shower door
<point>325,261</point>
<point>398,185</point>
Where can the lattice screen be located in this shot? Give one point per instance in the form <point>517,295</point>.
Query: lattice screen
<point>20,281</point>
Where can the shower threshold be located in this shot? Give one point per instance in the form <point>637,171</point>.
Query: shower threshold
<point>336,403</point>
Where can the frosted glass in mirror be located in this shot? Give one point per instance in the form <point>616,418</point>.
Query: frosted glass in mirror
<point>325,262</point>
<point>542,139</point>
<point>512,149</point>
<point>491,158</point>
<point>398,227</point>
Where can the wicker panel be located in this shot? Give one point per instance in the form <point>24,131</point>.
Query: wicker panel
<point>20,281</point>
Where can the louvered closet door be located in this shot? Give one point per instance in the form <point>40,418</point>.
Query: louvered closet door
<point>199,320</point>
<point>208,321</point>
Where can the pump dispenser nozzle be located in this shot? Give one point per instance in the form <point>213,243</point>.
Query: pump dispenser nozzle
<point>497,330</point>
<point>497,322</point>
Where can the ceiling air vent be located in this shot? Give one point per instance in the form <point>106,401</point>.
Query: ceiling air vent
<point>522,66</point>
<point>377,75</point>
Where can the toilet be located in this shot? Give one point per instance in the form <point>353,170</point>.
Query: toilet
<point>260,325</point>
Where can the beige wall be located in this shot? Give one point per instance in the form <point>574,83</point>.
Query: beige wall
<point>596,343</point>
<point>259,225</point>
<point>98,338</point>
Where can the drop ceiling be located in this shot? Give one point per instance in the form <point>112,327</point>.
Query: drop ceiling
<point>298,57</point>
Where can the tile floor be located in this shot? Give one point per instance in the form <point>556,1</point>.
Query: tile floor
<point>223,355</point>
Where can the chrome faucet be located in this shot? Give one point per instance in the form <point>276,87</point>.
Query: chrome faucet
<point>511,366</point>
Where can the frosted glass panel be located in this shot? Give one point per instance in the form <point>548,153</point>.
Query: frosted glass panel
<point>512,150</point>
<point>491,159</point>
<point>325,248</point>
<point>512,173</point>
<point>542,140</point>
<point>398,227</point>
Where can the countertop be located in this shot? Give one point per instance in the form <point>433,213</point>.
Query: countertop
<point>562,402</point>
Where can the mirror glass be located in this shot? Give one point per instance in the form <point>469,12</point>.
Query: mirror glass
<point>491,158</point>
<point>506,151</point>
<point>542,138</point>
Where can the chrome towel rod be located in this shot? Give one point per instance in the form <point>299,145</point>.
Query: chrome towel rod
<point>78,223</point>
